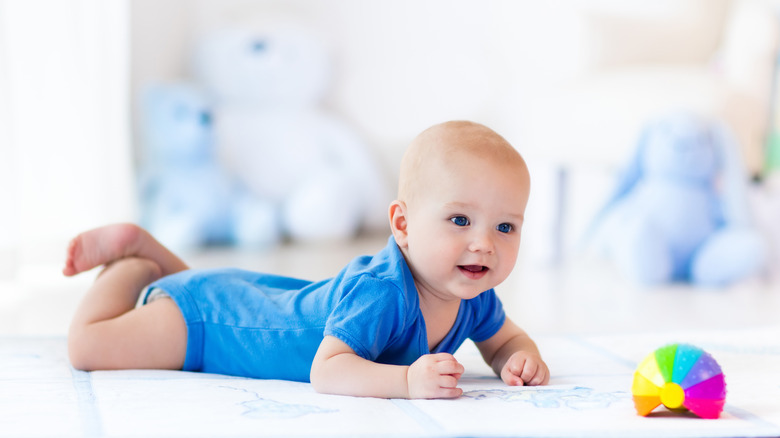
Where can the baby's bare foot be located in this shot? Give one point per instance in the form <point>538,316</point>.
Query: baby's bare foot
<point>100,246</point>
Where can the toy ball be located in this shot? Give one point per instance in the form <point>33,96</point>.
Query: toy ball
<point>681,377</point>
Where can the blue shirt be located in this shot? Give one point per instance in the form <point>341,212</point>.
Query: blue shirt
<point>266,326</point>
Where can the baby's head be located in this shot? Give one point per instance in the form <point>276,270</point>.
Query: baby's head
<point>461,202</point>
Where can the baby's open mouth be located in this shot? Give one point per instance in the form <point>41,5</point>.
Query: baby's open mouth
<point>473,271</point>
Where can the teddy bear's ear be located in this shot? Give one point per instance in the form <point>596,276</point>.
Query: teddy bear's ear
<point>733,178</point>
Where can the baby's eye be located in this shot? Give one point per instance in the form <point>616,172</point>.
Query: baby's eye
<point>504,228</point>
<point>460,221</point>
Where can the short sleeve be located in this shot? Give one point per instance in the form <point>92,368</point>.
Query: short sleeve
<point>488,314</point>
<point>368,316</point>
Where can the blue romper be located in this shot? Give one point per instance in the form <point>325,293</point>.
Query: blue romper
<point>265,326</point>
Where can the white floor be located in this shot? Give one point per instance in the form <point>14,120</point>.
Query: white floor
<point>592,327</point>
<point>582,297</point>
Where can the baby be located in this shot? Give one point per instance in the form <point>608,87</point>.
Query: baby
<point>385,326</point>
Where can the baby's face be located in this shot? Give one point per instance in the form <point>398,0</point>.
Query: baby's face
<point>464,227</point>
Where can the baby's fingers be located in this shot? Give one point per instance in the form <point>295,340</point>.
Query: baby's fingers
<point>448,386</point>
<point>540,377</point>
<point>434,376</point>
<point>448,381</point>
<point>511,376</point>
<point>522,369</point>
<point>449,370</point>
<point>514,369</point>
<point>449,393</point>
<point>450,366</point>
<point>529,370</point>
<point>534,373</point>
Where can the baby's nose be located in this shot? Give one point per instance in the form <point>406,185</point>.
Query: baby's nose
<point>482,242</point>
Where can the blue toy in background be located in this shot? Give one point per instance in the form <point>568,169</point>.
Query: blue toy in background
<point>187,199</point>
<point>680,212</point>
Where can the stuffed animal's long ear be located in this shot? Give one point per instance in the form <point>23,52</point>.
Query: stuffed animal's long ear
<point>629,177</point>
<point>632,173</point>
<point>732,193</point>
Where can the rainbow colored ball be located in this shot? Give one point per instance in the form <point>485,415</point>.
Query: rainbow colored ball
<point>679,376</point>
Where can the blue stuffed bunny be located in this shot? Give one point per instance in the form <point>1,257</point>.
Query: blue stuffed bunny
<point>680,211</point>
<point>187,199</point>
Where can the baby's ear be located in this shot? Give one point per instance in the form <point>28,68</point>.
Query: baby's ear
<point>398,222</point>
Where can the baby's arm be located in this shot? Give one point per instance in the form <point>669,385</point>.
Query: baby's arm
<point>514,356</point>
<point>338,370</point>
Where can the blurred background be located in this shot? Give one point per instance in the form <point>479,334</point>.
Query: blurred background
<point>268,134</point>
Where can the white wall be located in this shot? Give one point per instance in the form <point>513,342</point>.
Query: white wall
<point>400,66</point>
<point>403,65</point>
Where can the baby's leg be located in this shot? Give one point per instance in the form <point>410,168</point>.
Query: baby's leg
<point>109,332</point>
<point>112,242</point>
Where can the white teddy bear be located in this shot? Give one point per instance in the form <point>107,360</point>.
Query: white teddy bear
<point>267,85</point>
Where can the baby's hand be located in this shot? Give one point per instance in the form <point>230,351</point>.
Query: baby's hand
<point>434,376</point>
<point>525,368</point>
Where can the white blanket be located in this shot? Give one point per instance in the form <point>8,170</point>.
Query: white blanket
<point>589,395</point>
